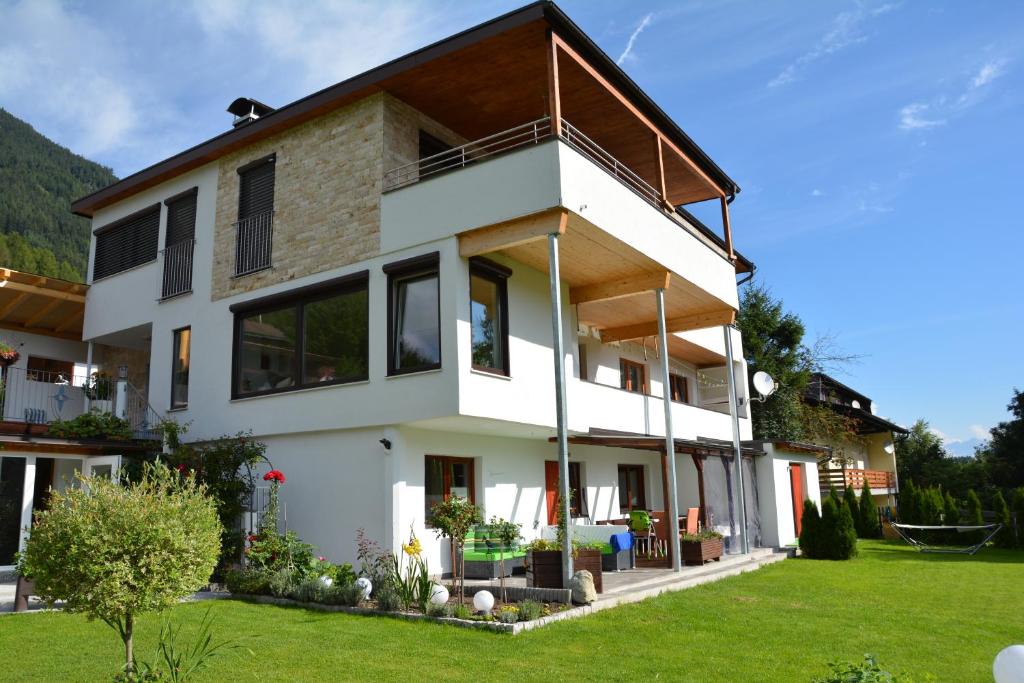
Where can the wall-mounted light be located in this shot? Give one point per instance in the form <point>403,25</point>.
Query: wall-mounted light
<point>122,372</point>
<point>386,443</point>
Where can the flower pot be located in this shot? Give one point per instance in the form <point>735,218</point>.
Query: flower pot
<point>699,552</point>
<point>544,568</point>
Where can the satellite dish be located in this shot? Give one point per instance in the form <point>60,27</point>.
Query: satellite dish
<point>873,408</point>
<point>855,403</point>
<point>889,447</point>
<point>764,384</point>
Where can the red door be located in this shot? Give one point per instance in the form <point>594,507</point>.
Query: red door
<point>796,481</point>
<point>551,490</point>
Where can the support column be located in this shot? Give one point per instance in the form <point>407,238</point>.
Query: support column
<point>561,415</point>
<point>554,99</point>
<point>730,375</point>
<point>727,229</point>
<point>88,375</point>
<point>27,496</point>
<point>672,504</point>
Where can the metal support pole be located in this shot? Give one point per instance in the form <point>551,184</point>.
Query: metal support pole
<point>670,444</point>
<point>730,374</point>
<point>88,375</point>
<point>561,418</point>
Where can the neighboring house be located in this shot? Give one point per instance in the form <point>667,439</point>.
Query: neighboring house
<point>363,279</point>
<point>869,456</point>
<point>41,319</point>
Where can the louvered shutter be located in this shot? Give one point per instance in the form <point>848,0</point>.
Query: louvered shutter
<point>256,191</point>
<point>127,243</point>
<point>254,232</point>
<point>181,220</point>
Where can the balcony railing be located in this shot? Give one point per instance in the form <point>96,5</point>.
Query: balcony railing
<point>844,477</point>
<point>589,148</point>
<point>177,269</point>
<point>253,243</point>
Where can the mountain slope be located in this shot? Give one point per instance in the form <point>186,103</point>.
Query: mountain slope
<point>38,181</point>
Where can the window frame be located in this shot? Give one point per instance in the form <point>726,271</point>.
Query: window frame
<point>296,300</point>
<point>628,467</point>
<point>499,275</point>
<point>673,379</point>
<point>626,363</point>
<point>446,462</point>
<point>410,269</point>
<point>175,348</point>
<point>121,223</point>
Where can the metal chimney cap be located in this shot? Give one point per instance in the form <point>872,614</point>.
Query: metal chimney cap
<point>246,106</point>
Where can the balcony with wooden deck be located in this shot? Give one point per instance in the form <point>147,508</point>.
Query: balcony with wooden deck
<point>880,482</point>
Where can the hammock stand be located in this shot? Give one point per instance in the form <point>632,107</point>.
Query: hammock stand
<point>903,529</point>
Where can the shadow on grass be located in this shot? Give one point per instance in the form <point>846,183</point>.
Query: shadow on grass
<point>895,550</point>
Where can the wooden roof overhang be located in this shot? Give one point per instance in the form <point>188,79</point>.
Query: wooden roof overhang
<point>656,444</point>
<point>484,80</point>
<point>610,282</point>
<point>41,305</point>
<point>41,444</point>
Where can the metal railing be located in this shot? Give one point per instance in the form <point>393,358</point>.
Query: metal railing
<point>253,243</point>
<point>37,397</point>
<point>458,157</point>
<point>143,419</point>
<point>844,477</point>
<point>177,269</point>
<point>591,149</point>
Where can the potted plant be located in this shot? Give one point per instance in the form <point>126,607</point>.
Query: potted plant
<point>702,546</point>
<point>8,354</point>
<point>544,563</point>
<point>99,389</point>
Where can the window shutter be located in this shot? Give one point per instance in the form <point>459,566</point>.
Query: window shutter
<point>181,220</point>
<point>256,190</point>
<point>127,243</point>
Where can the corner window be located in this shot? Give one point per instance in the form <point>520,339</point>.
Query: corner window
<point>179,367</point>
<point>631,488</point>
<point>445,477</point>
<point>679,388</point>
<point>488,304</point>
<point>632,376</point>
<point>129,242</point>
<point>414,315</point>
<point>308,337</point>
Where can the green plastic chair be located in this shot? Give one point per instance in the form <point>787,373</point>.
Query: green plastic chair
<point>642,528</point>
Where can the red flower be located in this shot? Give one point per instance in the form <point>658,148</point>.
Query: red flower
<point>182,469</point>
<point>274,475</point>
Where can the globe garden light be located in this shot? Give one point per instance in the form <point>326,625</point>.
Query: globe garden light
<point>438,595</point>
<point>366,585</point>
<point>1009,665</point>
<point>483,601</point>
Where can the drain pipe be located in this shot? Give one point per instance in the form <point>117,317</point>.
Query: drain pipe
<point>730,373</point>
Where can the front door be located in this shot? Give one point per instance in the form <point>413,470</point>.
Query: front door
<point>108,466</point>
<point>551,490</point>
<point>796,481</point>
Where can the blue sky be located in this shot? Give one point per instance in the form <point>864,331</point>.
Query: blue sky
<point>879,145</point>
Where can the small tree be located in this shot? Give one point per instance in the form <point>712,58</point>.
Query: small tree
<point>507,534</point>
<point>909,510</point>
<point>1017,501</point>
<point>114,552</point>
<point>850,501</point>
<point>974,516</point>
<point>453,519</point>
<point>950,511</point>
<point>868,514</point>
<point>810,523</point>
<point>1003,539</point>
<point>837,537</point>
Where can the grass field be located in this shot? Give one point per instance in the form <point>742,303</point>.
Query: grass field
<point>944,614</point>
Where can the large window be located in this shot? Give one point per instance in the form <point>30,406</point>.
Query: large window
<point>127,243</point>
<point>414,315</point>
<point>445,477</point>
<point>488,310</point>
<point>179,367</point>
<point>308,337</point>
<point>631,488</point>
<point>50,370</point>
<point>632,376</point>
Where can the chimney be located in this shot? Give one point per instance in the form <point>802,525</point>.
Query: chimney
<point>246,110</point>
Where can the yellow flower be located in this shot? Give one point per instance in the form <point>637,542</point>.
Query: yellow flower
<point>413,548</point>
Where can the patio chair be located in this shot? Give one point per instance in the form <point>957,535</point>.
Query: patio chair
<point>642,528</point>
<point>692,521</point>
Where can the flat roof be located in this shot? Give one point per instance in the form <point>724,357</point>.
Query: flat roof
<point>368,82</point>
<point>641,442</point>
<point>37,304</point>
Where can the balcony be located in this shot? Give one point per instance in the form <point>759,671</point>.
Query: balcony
<point>878,481</point>
<point>253,243</point>
<point>177,278</point>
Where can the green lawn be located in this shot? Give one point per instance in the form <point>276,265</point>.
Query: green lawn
<point>947,615</point>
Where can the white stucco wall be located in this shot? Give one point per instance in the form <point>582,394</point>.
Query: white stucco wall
<point>775,493</point>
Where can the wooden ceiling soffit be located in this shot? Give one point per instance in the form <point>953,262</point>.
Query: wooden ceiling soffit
<point>684,323</point>
<point>513,233</point>
<point>622,287</point>
<point>564,47</point>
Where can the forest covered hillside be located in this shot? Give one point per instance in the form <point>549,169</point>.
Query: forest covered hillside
<point>38,181</point>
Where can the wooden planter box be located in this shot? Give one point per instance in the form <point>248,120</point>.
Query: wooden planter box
<point>544,568</point>
<point>700,552</point>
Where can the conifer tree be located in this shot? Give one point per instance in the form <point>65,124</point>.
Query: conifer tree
<point>810,524</point>
<point>870,527</point>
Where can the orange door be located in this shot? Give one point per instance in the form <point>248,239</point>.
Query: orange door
<point>551,490</point>
<point>796,481</point>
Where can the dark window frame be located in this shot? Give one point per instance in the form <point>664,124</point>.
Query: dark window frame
<point>641,483</point>
<point>446,462</point>
<point>675,380</point>
<point>252,165</point>
<point>296,300</point>
<point>175,349</point>
<point>625,363</point>
<point>34,373</point>
<point>499,275</point>
<point>172,203</point>
<point>407,270</point>
<point>104,230</point>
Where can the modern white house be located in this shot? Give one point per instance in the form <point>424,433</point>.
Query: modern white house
<point>469,271</point>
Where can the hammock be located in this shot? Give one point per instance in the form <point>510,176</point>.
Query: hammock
<point>903,529</point>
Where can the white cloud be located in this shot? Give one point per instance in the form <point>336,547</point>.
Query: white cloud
<point>628,52</point>
<point>939,433</point>
<point>912,117</point>
<point>988,72</point>
<point>816,193</point>
<point>979,432</point>
<point>845,31</point>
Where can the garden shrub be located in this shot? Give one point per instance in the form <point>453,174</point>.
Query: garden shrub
<point>950,511</point>
<point>909,504</point>
<point>1017,502</point>
<point>248,582</point>
<point>837,538</point>
<point>866,671</point>
<point>437,610</point>
<point>281,582</point>
<point>347,594</point>
<point>374,562</point>
<point>974,516</point>
<point>92,425</point>
<point>508,614</point>
<point>869,525</point>
<point>853,505</point>
<point>530,610</point>
<point>308,590</point>
<point>1003,539</point>
<point>810,524</point>
<point>460,610</point>
<point>387,599</point>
